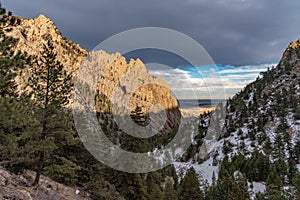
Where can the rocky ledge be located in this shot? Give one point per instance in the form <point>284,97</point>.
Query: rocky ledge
<point>18,187</point>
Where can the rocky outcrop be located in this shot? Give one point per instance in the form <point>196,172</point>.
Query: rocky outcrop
<point>291,54</point>
<point>128,85</point>
<point>18,187</point>
<point>287,73</point>
<point>118,78</point>
<point>34,33</point>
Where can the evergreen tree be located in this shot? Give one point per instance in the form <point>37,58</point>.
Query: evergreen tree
<point>50,89</point>
<point>11,62</point>
<point>213,178</point>
<point>296,184</point>
<point>14,115</point>
<point>131,186</point>
<point>153,186</point>
<point>278,147</point>
<point>169,192</point>
<point>239,189</point>
<point>189,188</point>
<point>257,167</point>
<point>281,169</point>
<point>274,182</point>
<point>224,187</point>
<point>296,152</point>
<point>275,195</point>
<point>292,168</point>
<point>96,184</point>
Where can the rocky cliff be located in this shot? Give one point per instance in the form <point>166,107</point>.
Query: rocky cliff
<point>115,73</point>
<point>34,33</point>
<point>128,86</point>
<point>19,187</point>
<point>291,54</point>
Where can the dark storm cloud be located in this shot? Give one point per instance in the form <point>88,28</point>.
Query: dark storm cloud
<point>232,31</point>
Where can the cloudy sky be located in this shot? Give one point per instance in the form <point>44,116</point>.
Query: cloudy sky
<point>209,82</point>
<point>234,32</point>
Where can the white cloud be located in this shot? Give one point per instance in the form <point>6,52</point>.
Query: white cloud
<point>215,84</point>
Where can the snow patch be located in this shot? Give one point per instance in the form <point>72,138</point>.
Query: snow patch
<point>205,170</point>
<point>256,187</point>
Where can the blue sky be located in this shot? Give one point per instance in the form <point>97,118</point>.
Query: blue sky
<point>209,82</point>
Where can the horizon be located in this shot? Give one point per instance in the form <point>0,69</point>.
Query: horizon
<point>190,82</point>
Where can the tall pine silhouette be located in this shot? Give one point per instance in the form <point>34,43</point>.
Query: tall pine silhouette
<point>189,188</point>
<point>10,61</point>
<point>51,87</point>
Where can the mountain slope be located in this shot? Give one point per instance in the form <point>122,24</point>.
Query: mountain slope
<point>269,106</point>
<point>261,134</point>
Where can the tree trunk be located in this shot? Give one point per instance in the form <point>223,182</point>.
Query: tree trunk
<point>39,169</point>
<point>41,156</point>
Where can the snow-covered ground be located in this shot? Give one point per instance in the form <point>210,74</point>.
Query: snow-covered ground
<point>256,187</point>
<point>205,170</point>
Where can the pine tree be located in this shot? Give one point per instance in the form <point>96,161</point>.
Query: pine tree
<point>274,182</point>
<point>15,117</point>
<point>239,189</point>
<point>50,89</point>
<point>296,184</point>
<point>13,113</point>
<point>257,167</point>
<point>296,152</point>
<point>102,189</point>
<point>169,192</point>
<point>11,62</point>
<point>131,186</point>
<point>189,188</point>
<point>153,186</point>
<point>281,169</point>
<point>278,147</point>
<point>292,168</point>
<point>213,178</point>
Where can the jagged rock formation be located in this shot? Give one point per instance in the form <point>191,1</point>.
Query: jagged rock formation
<point>291,54</point>
<point>115,72</point>
<point>34,33</point>
<point>133,80</point>
<point>120,80</point>
<point>18,187</point>
<point>287,73</point>
<point>123,85</point>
